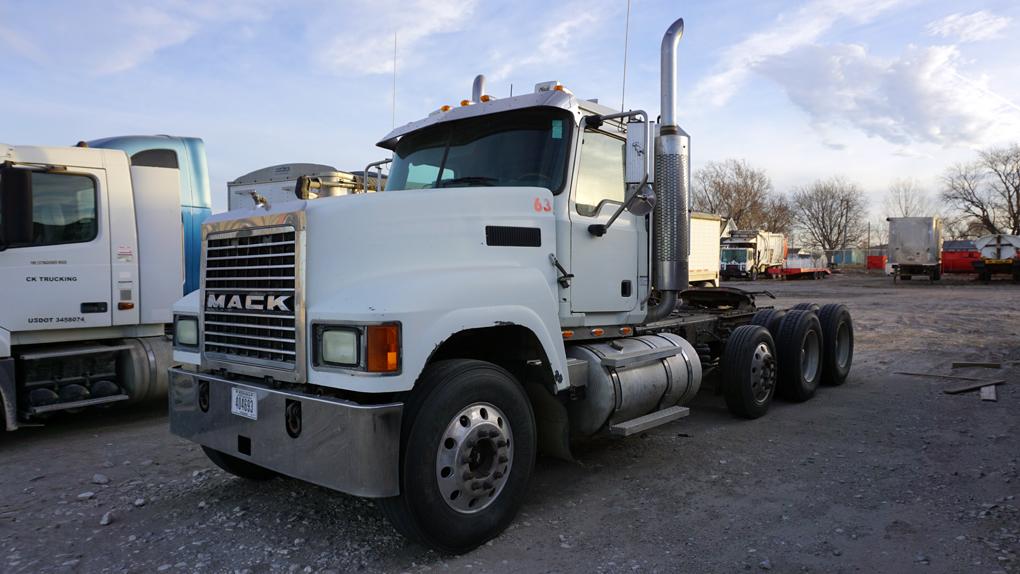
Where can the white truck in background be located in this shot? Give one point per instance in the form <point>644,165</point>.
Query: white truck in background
<point>92,258</point>
<point>746,254</point>
<point>706,231</point>
<point>915,247</point>
<point>523,280</point>
<point>291,181</point>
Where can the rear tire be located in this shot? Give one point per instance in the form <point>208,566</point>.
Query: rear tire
<point>799,346</point>
<point>459,486</point>
<point>769,318</point>
<point>749,371</point>
<point>239,467</point>
<point>813,307</point>
<point>837,343</point>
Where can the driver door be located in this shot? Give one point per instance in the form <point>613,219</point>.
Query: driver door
<point>605,268</point>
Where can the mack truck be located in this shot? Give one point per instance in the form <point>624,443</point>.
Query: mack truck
<point>521,282</point>
<point>97,242</point>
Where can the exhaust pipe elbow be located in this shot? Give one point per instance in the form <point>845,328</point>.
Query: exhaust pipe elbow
<point>670,45</point>
<point>662,309</point>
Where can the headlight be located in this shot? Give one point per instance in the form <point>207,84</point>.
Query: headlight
<point>185,331</point>
<point>339,346</point>
<point>370,348</point>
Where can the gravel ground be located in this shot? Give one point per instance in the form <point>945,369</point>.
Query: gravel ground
<point>883,474</point>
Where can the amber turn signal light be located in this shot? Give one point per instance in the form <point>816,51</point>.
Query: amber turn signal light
<point>383,348</point>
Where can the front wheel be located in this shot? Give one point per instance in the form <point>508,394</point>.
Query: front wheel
<point>468,449</point>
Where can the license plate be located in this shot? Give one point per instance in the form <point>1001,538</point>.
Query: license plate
<point>244,403</point>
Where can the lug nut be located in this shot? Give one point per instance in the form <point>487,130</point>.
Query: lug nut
<point>476,485</point>
<point>497,475</point>
<point>500,443</point>
<point>503,458</point>
<point>487,485</point>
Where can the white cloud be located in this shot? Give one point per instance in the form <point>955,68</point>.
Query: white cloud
<point>790,31</point>
<point>553,43</point>
<point>116,40</point>
<point>366,45</point>
<point>981,25</point>
<point>920,97</point>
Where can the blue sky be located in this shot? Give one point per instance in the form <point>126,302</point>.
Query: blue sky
<point>870,89</point>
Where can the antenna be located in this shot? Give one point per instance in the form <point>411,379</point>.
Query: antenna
<point>626,41</point>
<point>393,119</point>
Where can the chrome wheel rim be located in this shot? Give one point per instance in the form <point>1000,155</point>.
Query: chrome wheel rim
<point>474,458</point>
<point>763,374</point>
<point>810,356</point>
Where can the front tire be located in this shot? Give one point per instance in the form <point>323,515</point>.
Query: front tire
<point>467,452</point>
<point>239,467</point>
<point>749,371</point>
<point>799,344</point>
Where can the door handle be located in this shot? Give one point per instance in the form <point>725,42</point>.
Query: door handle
<point>95,307</point>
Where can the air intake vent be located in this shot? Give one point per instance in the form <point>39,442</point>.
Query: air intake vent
<point>501,236</point>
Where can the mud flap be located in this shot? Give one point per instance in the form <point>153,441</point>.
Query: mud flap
<point>552,423</point>
<point>8,396</point>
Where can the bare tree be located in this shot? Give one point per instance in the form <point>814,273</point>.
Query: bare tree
<point>778,215</point>
<point>831,212</point>
<point>908,198</point>
<point>732,189</point>
<point>1003,168</point>
<point>963,187</point>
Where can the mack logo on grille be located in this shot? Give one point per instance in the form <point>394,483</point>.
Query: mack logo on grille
<point>248,302</point>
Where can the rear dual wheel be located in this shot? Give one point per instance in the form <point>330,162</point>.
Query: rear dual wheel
<point>749,371</point>
<point>799,343</point>
<point>467,451</point>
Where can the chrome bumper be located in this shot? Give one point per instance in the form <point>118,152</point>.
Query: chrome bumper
<point>342,445</point>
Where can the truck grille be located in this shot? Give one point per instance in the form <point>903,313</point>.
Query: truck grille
<point>251,299</point>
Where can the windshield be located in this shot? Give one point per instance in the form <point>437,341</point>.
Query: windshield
<point>516,148</point>
<point>734,255</point>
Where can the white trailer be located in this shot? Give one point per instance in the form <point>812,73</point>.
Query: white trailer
<point>518,282</point>
<point>915,247</point>
<point>294,181</point>
<point>749,253</point>
<point>706,230</point>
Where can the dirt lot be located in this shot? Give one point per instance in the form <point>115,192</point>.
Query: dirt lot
<point>884,474</point>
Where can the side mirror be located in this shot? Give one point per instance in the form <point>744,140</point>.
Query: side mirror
<point>15,206</point>
<point>642,202</point>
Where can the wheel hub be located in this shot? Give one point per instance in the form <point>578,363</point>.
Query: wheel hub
<point>763,373</point>
<point>474,458</point>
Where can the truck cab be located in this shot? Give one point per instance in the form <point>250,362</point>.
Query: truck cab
<point>91,261</point>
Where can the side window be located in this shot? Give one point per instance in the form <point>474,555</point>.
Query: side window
<point>62,208</point>
<point>601,174</point>
<point>155,158</point>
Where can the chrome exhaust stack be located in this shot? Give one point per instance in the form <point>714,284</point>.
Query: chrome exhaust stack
<point>671,240</point>
<point>478,88</point>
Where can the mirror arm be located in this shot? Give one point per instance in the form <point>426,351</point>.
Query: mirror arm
<point>600,229</point>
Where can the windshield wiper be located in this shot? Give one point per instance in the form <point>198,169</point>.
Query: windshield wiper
<point>468,180</point>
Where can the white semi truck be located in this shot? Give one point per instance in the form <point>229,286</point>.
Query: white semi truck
<point>93,255</point>
<point>749,253</point>
<point>522,280</point>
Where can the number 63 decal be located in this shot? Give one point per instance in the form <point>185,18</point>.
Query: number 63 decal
<point>542,205</point>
